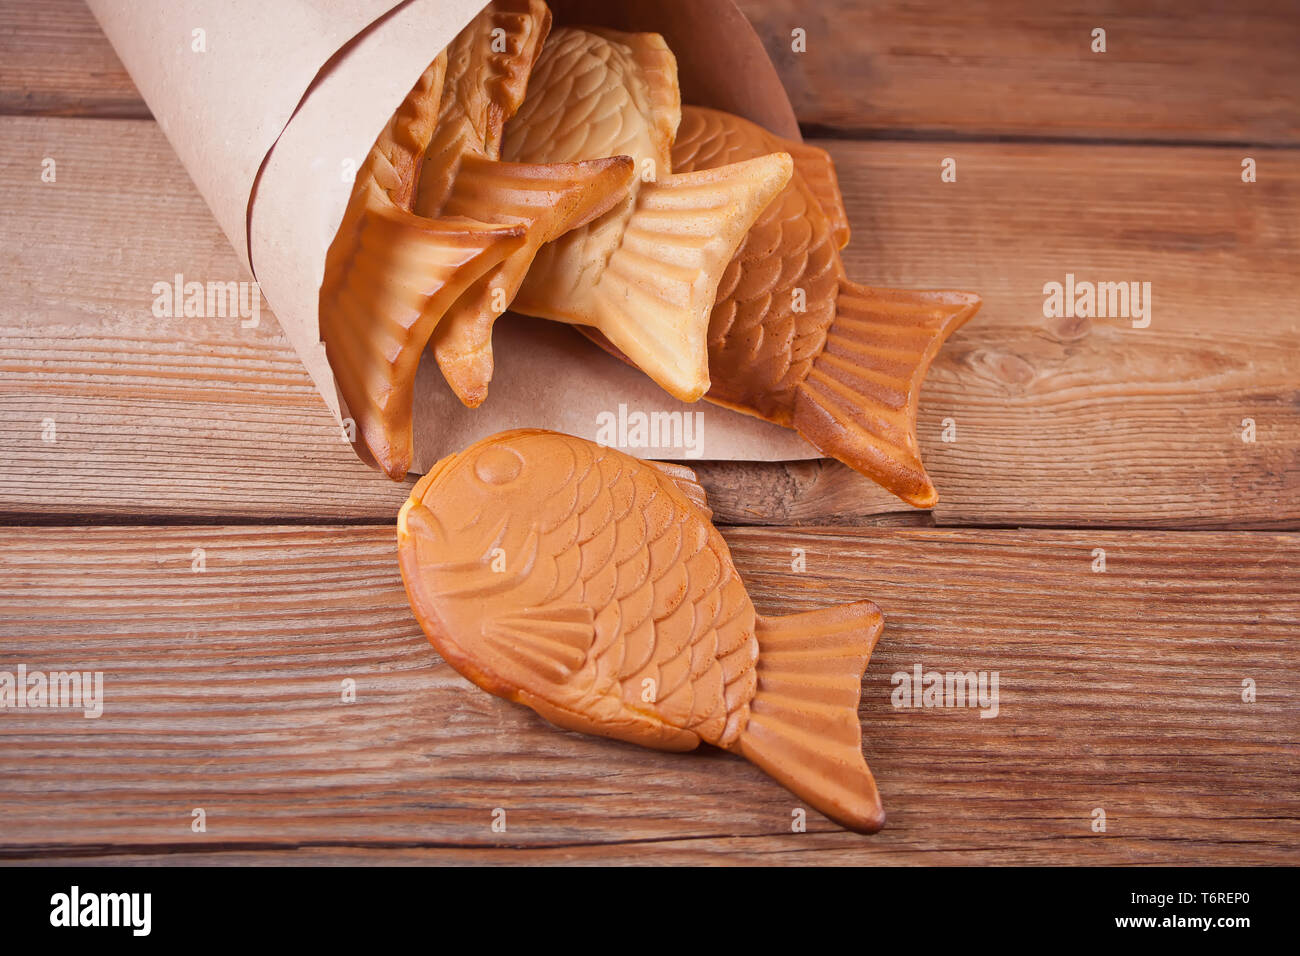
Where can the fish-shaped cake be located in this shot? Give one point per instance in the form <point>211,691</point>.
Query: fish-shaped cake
<point>793,341</point>
<point>389,277</point>
<point>592,587</point>
<point>646,273</point>
<point>488,67</point>
<point>436,228</point>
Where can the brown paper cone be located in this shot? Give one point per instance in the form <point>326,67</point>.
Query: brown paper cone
<point>271,106</point>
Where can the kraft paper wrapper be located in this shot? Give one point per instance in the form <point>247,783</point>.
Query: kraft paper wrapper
<point>288,98</point>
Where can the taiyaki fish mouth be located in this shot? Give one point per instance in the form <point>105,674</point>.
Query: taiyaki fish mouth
<point>428,480</point>
<point>490,469</point>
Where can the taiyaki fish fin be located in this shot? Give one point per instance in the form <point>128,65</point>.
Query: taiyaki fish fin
<point>654,299</point>
<point>817,168</point>
<point>859,400</point>
<point>685,479</point>
<point>389,278</point>
<point>548,201</point>
<point>515,31</point>
<point>487,76</point>
<point>803,727</point>
<point>393,162</point>
<point>547,643</point>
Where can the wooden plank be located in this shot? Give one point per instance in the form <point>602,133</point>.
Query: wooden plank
<point>768,849</point>
<point>1060,422</point>
<point>55,61</point>
<point>1120,690</point>
<point>150,413</point>
<point>1172,71</point>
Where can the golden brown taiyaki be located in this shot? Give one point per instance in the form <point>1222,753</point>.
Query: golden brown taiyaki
<point>488,66</point>
<point>645,273</point>
<point>793,341</point>
<point>438,233</point>
<point>390,275</point>
<point>593,588</point>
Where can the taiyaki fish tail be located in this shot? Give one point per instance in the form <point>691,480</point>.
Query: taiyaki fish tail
<point>388,282</point>
<point>803,725</point>
<point>654,299</point>
<point>547,200</point>
<point>859,400</point>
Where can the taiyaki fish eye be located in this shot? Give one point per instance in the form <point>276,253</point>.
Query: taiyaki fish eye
<point>498,465</point>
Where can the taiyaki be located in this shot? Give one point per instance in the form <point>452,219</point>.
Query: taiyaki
<point>592,587</point>
<point>793,341</point>
<point>435,226</point>
<point>846,371</point>
<point>646,273</point>
<point>488,66</point>
<point>390,275</point>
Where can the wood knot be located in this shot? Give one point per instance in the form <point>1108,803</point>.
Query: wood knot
<point>1069,328</point>
<point>1006,368</point>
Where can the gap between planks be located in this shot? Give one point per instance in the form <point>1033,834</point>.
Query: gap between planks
<point>901,519</point>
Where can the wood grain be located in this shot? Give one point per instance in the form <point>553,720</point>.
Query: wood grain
<point>55,61</point>
<point>1173,71</point>
<point>1060,422</point>
<point>1119,690</point>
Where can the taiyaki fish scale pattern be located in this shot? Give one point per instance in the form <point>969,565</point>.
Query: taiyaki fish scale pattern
<point>757,324</point>
<point>604,97</point>
<point>593,588</point>
<point>674,628</point>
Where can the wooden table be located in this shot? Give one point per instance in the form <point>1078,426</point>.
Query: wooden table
<point>127,442</point>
